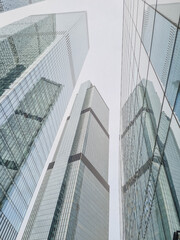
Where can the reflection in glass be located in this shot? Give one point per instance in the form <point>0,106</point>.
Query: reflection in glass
<point>170,9</point>
<point>17,55</point>
<point>165,48</point>
<point>172,161</point>
<point>6,5</point>
<point>41,58</point>
<point>17,134</point>
<point>148,148</point>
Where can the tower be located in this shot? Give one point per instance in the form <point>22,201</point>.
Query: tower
<point>40,66</point>
<point>150,120</point>
<point>73,201</point>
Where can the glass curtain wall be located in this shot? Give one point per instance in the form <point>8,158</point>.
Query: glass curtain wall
<point>39,67</point>
<point>6,5</point>
<point>73,201</point>
<point>150,133</point>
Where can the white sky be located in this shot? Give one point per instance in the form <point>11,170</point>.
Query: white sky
<point>102,68</point>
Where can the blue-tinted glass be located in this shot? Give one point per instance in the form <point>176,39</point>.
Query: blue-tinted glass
<point>40,67</point>
<point>177,105</point>
<point>6,5</point>
<point>162,46</point>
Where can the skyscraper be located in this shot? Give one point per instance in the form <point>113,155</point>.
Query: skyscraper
<point>73,201</point>
<point>6,5</point>
<point>150,134</point>
<point>41,57</point>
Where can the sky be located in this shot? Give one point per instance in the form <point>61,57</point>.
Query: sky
<point>102,67</point>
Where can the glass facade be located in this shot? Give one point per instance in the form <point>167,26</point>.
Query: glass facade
<point>150,134</point>
<point>6,5</point>
<point>81,201</point>
<point>38,68</point>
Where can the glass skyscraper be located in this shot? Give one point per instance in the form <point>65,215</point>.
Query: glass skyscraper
<point>41,58</point>
<point>73,201</point>
<point>150,119</point>
<point>6,5</point>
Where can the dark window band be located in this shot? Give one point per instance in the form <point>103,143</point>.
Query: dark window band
<point>9,164</point>
<point>97,119</point>
<point>142,109</point>
<point>87,163</point>
<point>137,175</point>
<point>51,165</point>
<point>28,115</point>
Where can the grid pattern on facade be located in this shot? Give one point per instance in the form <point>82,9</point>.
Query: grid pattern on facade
<point>25,124</point>
<point>93,212</point>
<point>150,122</point>
<point>6,5</point>
<point>90,198</point>
<point>78,208</point>
<point>50,207</point>
<point>38,74</point>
